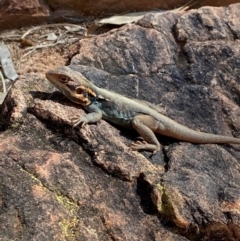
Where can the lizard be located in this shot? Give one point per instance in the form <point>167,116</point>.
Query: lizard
<point>115,108</point>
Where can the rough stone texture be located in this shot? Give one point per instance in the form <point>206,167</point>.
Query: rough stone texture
<point>86,183</point>
<point>114,6</point>
<point>49,187</point>
<point>37,11</point>
<point>26,13</point>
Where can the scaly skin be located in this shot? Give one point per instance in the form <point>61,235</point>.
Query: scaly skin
<point>123,111</point>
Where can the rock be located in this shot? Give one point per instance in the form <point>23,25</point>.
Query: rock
<point>111,6</point>
<point>36,12</point>
<point>86,182</point>
<point>26,13</point>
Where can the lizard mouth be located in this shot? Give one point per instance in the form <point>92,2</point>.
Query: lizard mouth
<point>79,94</point>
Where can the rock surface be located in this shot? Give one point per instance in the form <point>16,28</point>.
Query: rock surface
<point>86,183</point>
<point>25,12</point>
<point>34,12</point>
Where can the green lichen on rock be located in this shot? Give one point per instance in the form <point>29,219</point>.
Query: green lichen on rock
<point>170,203</point>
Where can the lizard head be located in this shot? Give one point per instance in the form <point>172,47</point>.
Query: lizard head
<point>72,84</point>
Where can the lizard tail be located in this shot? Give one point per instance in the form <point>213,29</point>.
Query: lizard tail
<point>183,133</point>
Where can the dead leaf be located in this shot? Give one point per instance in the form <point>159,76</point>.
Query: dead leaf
<point>6,62</point>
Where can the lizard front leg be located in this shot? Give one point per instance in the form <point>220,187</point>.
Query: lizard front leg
<point>89,118</point>
<point>94,115</point>
<point>146,125</point>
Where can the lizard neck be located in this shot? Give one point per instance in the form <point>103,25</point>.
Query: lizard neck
<point>100,92</point>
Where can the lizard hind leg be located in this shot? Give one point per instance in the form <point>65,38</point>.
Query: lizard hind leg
<point>146,125</point>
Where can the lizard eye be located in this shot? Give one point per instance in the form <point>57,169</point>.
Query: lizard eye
<point>63,79</point>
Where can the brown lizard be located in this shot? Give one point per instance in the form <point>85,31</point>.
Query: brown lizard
<point>124,111</point>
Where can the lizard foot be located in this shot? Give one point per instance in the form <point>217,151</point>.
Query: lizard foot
<point>75,119</point>
<point>143,145</point>
<point>82,121</point>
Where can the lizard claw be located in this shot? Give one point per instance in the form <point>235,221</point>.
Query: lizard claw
<point>82,121</point>
<point>140,143</point>
<point>75,118</point>
<point>143,145</point>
